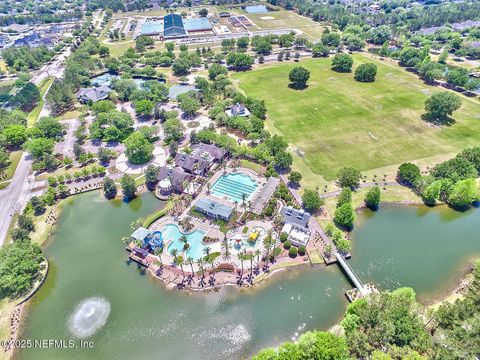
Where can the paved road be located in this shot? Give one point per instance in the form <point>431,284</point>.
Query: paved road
<point>16,195</point>
<point>65,147</point>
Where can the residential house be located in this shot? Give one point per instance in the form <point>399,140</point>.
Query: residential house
<point>94,94</point>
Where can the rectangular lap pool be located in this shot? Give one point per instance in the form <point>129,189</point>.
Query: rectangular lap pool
<point>234,186</point>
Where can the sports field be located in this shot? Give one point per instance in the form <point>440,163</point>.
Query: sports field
<point>338,122</point>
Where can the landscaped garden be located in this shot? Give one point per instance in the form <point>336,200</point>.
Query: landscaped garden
<point>337,121</point>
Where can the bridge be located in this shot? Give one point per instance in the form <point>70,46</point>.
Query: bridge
<point>351,275</point>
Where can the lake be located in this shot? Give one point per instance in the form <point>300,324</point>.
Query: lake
<point>398,246</point>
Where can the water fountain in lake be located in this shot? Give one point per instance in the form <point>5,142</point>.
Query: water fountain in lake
<point>89,316</point>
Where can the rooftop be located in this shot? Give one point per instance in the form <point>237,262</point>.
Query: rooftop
<point>295,216</point>
<point>212,207</point>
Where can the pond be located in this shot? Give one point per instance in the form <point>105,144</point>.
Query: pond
<point>106,79</point>
<point>419,247</point>
<point>256,9</point>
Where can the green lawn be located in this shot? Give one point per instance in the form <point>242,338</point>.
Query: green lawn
<point>33,115</point>
<point>284,19</point>
<point>337,121</point>
<point>251,165</point>
<point>7,172</point>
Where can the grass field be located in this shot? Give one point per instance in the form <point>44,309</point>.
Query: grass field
<point>287,20</point>
<point>337,121</point>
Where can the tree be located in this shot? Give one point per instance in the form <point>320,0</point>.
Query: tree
<point>128,186</point>
<point>109,188</point>
<point>216,69</point>
<point>243,42</point>
<point>349,177</point>
<point>103,106</point>
<point>464,193</point>
<point>238,61</point>
<point>372,198</point>
<point>25,222</point>
<point>19,267</point>
<point>143,107</point>
<point>345,215</point>
<point>138,149</point>
<point>283,160</point>
<point>203,12</point>
<point>19,234</point>
<point>342,63</point>
<point>298,77</point>
<point>366,72</point>
<point>39,147</point>
<point>15,135</point>
<point>49,126</point>
<point>472,154</point>
<point>408,174</point>
<point>189,103</point>
<point>181,66</point>
<point>37,205</point>
<point>60,97</point>
<point>295,177</point>
<point>320,50</point>
<point>457,77</point>
<point>455,169</point>
<point>440,106</point>
<point>27,97</point>
<point>344,197</point>
<point>151,175</point>
<point>312,201</point>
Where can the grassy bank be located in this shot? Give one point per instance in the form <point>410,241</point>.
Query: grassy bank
<point>337,121</point>
<point>8,172</point>
<point>32,117</point>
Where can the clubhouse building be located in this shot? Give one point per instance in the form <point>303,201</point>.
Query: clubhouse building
<point>173,26</point>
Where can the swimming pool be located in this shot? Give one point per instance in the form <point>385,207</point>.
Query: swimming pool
<point>171,233</point>
<point>234,185</point>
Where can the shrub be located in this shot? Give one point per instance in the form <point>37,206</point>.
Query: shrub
<point>366,72</point>
<point>302,250</point>
<point>283,237</point>
<point>293,252</point>
<point>287,244</point>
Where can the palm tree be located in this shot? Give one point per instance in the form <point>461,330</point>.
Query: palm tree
<point>244,196</point>
<point>174,253</point>
<point>208,188</point>
<point>226,247</point>
<point>200,265</point>
<point>206,251</point>
<point>158,252</point>
<point>236,204</point>
<point>257,254</point>
<point>251,268</point>
<point>242,256</point>
<point>179,261</point>
<point>190,261</point>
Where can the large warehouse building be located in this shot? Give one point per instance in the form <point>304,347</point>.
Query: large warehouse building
<point>174,27</point>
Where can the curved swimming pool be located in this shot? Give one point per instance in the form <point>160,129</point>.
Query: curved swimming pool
<point>233,186</point>
<point>171,233</point>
